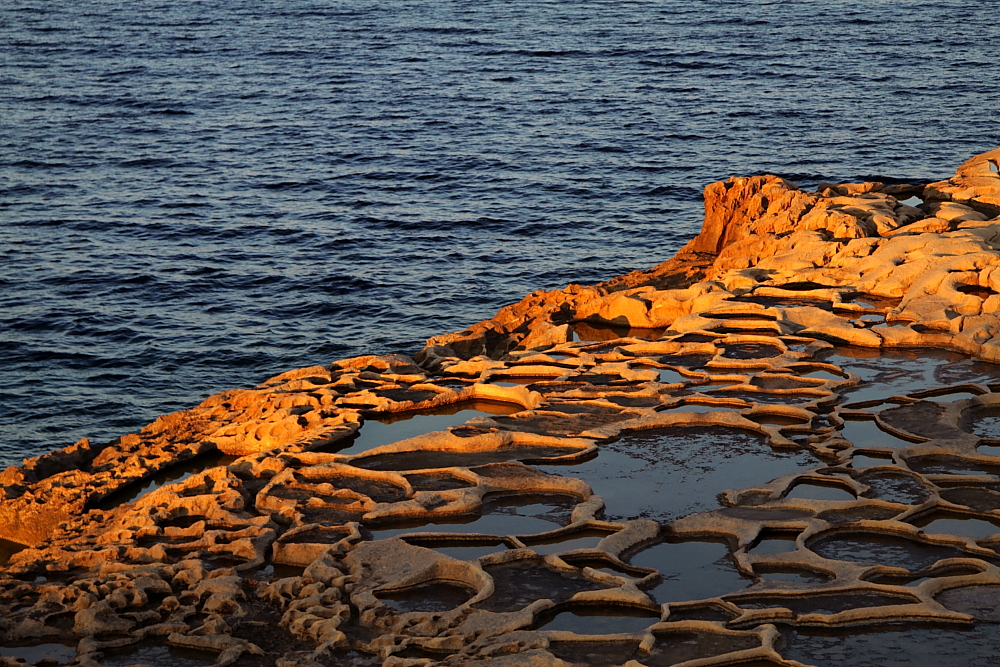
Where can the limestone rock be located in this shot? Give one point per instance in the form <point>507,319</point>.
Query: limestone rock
<point>976,184</point>
<point>785,321</point>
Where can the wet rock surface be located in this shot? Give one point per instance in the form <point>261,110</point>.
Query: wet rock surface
<point>779,446</point>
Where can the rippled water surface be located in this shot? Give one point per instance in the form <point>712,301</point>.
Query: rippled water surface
<point>195,196</point>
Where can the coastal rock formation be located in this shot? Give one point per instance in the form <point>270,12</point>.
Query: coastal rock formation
<point>764,233</point>
<point>789,427</point>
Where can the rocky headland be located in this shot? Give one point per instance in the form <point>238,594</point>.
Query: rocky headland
<point>788,429</point>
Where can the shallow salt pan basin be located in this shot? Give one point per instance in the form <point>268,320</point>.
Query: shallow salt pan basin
<point>508,516</point>
<point>579,540</point>
<point>792,576</point>
<point>775,544</point>
<point>586,332</point>
<point>859,461</point>
<point>173,475</point>
<point>393,428</point>
<point>866,433</point>
<point>882,549</point>
<point>157,655</point>
<point>667,474</point>
<point>920,646</point>
<point>677,647</point>
<point>425,459</point>
<point>886,373</point>
<point>521,583</point>
<point>595,653</point>
<point>462,551</point>
<point>667,375</point>
<point>691,570</point>
<point>701,409</point>
<point>806,491</point>
<point>598,620</point>
<point>437,596</point>
<point>956,525</point>
<point>486,525</point>
<point>60,653</point>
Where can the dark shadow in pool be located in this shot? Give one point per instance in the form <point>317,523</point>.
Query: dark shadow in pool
<point>8,549</point>
<point>750,351</point>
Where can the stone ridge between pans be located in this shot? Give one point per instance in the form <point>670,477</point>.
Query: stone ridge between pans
<point>842,339</point>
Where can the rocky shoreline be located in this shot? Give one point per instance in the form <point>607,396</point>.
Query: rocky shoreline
<point>514,531</point>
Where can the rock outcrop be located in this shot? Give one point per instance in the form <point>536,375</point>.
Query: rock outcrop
<point>808,388</point>
<point>764,233</point>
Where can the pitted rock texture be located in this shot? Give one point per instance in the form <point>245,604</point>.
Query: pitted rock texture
<point>791,425</point>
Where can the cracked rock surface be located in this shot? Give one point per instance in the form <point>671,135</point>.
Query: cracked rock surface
<point>781,447</point>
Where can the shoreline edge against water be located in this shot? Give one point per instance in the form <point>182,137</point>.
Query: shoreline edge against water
<point>863,265</point>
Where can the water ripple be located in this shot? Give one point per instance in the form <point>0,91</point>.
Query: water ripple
<point>195,197</point>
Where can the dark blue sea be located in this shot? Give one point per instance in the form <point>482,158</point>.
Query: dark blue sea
<point>199,195</point>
